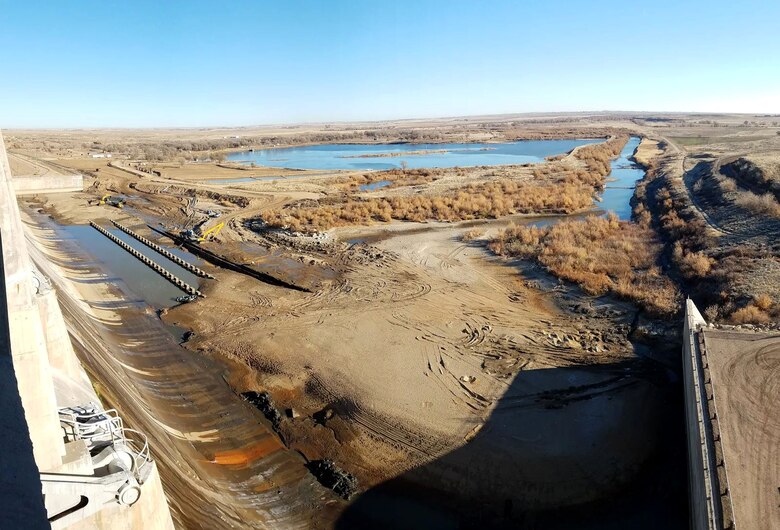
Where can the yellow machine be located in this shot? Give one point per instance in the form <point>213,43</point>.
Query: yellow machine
<point>213,231</point>
<point>194,235</point>
<point>118,202</point>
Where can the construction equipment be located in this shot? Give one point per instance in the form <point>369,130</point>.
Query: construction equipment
<point>196,236</point>
<point>117,202</point>
<point>186,298</point>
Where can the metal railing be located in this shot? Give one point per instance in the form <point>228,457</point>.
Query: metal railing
<point>103,428</point>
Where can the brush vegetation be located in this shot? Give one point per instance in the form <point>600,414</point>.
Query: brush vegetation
<point>490,200</point>
<point>725,280</point>
<point>558,189</point>
<point>601,255</point>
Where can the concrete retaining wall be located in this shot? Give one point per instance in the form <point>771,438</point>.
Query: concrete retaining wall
<point>48,184</point>
<point>704,491</point>
<point>28,341</point>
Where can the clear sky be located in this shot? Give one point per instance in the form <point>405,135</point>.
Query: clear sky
<point>190,63</point>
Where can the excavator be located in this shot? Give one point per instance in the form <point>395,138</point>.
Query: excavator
<point>196,236</point>
<point>117,202</point>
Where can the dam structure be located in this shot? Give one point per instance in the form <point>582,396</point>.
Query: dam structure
<point>731,379</point>
<point>79,343</point>
<point>68,461</point>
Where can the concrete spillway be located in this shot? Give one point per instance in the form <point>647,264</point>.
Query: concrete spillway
<point>77,482</point>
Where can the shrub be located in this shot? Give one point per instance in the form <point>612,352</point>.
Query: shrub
<point>763,302</point>
<point>599,254</point>
<point>692,264</point>
<point>471,235</point>
<point>765,204</point>
<point>750,314</point>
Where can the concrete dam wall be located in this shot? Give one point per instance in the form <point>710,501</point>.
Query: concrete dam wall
<point>89,469</point>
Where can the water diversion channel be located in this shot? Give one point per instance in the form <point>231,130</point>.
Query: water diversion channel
<point>621,182</point>
<point>141,281</point>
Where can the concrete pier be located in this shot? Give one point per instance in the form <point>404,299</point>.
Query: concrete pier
<point>160,250</point>
<point>146,261</point>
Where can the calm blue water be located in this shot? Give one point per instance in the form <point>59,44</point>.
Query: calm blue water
<point>375,185</point>
<point>623,178</point>
<point>340,156</point>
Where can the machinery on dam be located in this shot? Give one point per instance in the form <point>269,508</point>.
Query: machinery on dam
<point>195,235</point>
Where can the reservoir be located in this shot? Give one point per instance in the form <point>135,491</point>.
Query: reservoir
<point>394,156</point>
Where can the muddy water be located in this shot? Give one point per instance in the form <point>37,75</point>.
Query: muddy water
<point>138,279</point>
<point>220,462</point>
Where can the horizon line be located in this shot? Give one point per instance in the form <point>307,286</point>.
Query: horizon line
<point>378,121</point>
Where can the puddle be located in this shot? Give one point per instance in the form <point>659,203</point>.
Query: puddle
<point>375,185</point>
<point>291,270</point>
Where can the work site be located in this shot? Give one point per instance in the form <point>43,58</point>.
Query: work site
<point>363,363</point>
<point>413,297</point>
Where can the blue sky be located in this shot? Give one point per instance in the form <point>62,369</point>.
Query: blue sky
<point>139,63</point>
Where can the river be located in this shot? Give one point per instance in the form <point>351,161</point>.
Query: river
<point>621,181</point>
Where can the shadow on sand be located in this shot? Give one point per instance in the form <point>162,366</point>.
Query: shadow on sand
<point>576,447</point>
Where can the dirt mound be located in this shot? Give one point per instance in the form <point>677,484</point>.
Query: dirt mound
<point>144,187</point>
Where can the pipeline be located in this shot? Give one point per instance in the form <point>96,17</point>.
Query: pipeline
<point>160,250</point>
<point>154,266</point>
